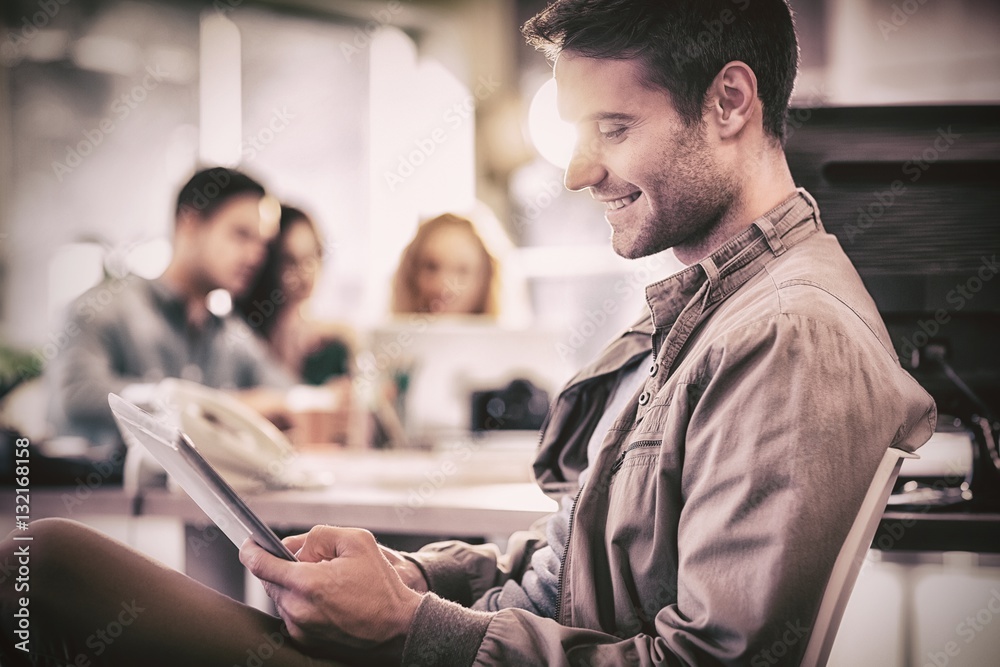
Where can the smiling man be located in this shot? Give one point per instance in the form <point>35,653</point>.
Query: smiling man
<point>714,457</point>
<point>709,463</point>
<point>663,182</point>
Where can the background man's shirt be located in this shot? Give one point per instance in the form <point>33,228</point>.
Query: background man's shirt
<point>131,330</point>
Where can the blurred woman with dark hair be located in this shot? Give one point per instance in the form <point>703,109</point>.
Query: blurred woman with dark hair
<point>275,307</point>
<point>446,269</point>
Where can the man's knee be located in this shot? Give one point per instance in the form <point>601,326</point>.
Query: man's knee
<point>44,529</point>
<point>53,544</point>
<point>49,532</point>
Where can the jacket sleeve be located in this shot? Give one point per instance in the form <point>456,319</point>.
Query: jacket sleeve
<point>783,423</point>
<point>464,573</point>
<point>536,589</point>
<point>83,373</point>
<point>526,577</point>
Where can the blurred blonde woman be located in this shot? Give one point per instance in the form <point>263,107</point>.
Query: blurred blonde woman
<point>446,269</point>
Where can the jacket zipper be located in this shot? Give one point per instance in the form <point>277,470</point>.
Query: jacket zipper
<point>572,514</point>
<point>562,565</point>
<point>616,466</point>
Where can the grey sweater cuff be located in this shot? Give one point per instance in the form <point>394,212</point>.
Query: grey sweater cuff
<point>444,633</point>
<point>444,575</point>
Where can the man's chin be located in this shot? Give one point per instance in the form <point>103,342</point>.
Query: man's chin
<point>237,290</point>
<point>239,286</point>
<point>630,249</point>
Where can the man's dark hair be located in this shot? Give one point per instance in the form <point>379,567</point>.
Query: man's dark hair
<point>682,43</point>
<point>210,188</point>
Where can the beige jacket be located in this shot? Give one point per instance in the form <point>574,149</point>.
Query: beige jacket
<point>720,497</point>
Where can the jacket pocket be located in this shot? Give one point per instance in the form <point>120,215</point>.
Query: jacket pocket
<point>633,451</point>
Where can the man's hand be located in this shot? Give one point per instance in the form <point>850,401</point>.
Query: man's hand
<point>343,599</point>
<point>406,569</point>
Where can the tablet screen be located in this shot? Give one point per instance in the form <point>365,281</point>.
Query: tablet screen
<point>180,458</point>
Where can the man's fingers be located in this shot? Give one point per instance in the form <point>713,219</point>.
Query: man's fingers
<point>329,542</point>
<point>273,591</point>
<point>263,565</point>
<point>294,542</point>
<point>320,544</point>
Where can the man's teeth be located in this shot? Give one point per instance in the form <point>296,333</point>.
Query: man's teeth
<point>616,204</point>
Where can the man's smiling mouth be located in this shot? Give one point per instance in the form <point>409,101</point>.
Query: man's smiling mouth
<point>616,204</point>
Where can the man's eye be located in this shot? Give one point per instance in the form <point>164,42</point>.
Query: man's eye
<point>610,132</point>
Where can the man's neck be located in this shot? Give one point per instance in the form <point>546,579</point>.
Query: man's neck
<point>764,189</point>
<point>179,280</point>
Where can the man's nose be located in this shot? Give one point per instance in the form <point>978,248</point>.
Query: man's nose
<point>585,169</point>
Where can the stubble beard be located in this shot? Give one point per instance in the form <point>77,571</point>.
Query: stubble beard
<point>702,196</point>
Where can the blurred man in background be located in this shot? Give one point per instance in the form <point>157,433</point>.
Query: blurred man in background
<point>154,329</point>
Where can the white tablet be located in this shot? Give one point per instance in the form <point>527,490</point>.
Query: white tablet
<point>175,451</point>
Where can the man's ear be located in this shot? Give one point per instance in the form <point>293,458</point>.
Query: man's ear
<point>733,96</point>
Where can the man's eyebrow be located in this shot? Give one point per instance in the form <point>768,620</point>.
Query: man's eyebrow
<point>610,115</point>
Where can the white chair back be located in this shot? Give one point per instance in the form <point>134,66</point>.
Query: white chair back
<point>851,558</point>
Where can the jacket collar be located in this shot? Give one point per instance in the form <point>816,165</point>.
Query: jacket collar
<point>717,276</point>
<point>732,265</point>
<point>680,303</point>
